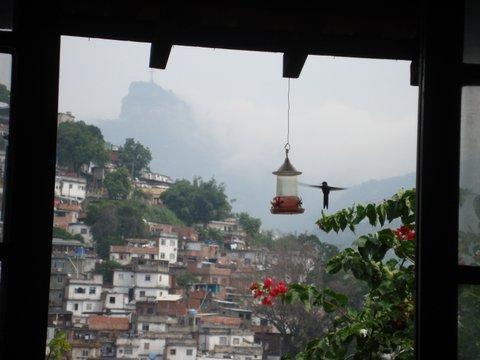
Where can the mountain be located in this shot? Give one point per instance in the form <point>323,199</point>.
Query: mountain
<point>163,122</point>
<point>159,119</point>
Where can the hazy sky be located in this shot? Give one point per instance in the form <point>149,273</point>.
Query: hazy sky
<point>351,119</point>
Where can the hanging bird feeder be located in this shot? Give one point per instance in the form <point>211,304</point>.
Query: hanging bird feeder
<point>286,200</point>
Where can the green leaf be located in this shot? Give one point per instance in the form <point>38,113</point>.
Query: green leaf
<point>371,214</point>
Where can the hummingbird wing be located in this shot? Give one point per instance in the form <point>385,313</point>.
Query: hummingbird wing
<point>309,185</point>
<point>333,188</point>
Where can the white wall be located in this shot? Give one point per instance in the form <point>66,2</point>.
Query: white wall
<point>180,352</point>
<point>90,292</point>
<point>149,293</point>
<point>81,229</point>
<point>152,327</point>
<point>70,188</point>
<point>208,342</point>
<point>120,300</point>
<point>156,279</point>
<point>167,248</point>
<point>123,278</point>
<point>155,346</point>
<point>83,306</point>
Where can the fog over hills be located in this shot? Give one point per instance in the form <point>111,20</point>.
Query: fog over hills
<point>182,148</point>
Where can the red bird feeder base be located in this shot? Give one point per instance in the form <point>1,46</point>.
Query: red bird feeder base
<point>286,205</point>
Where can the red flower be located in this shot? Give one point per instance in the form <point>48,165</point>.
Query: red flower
<point>281,288</point>
<point>404,233</point>
<point>267,282</point>
<point>267,301</point>
<point>257,293</point>
<point>273,292</point>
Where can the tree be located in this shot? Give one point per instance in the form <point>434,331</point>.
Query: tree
<point>250,224</point>
<point>60,233</point>
<point>114,220</point>
<point>103,245</point>
<point>263,239</point>
<point>383,327</point>
<point>118,184</point>
<point>79,144</point>
<point>106,268</point>
<point>4,94</point>
<point>134,156</point>
<point>163,215</point>
<point>207,233</point>
<point>185,279</point>
<point>58,346</point>
<point>198,201</point>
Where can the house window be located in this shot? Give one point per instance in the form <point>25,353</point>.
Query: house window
<point>236,341</point>
<point>92,290</point>
<point>142,293</point>
<point>223,340</point>
<point>145,327</point>
<point>173,351</point>
<point>146,346</point>
<point>83,231</point>
<point>59,279</point>
<point>172,256</point>
<point>79,290</point>
<point>147,277</point>
<point>162,255</point>
<point>111,300</point>
<point>149,311</point>
<point>75,307</point>
<point>189,352</point>
<point>120,276</point>
<point>163,242</point>
<point>128,351</point>
<point>172,242</point>
<point>70,186</point>
<point>89,306</point>
<point>85,352</point>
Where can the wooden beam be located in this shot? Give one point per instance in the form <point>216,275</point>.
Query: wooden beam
<point>159,53</point>
<point>293,64</point>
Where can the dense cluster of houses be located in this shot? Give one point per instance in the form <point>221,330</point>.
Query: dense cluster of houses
<point>171,296</point>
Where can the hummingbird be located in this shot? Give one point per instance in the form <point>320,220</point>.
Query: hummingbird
<point>326,191</point>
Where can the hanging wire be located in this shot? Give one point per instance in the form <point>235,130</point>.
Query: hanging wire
<point>287,145</point>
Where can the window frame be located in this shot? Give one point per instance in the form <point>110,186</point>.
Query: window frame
<point>36,55</point>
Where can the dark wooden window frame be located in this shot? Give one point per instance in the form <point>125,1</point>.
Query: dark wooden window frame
<point>26,250</point>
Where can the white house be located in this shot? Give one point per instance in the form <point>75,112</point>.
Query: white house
<point>153,324</point>
<point>116,302</point>
<point>71,187</point>
<point>83,297</point>
<point>180,350</point>
<point>141,347</point>
<point>168,247</point>
<point>210,337</point>
<point>82,229</point>
<point>123,280</point>
<point>125,254</point>
<point>151,285</point>
<point>149,279</point>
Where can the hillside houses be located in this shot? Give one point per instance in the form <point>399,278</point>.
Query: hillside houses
<point>134,302</point>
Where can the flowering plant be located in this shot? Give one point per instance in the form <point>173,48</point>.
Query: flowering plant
<point>268,290</point>
<point>383,327</point>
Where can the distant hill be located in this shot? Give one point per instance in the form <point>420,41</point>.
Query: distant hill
<point>165,123</point>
